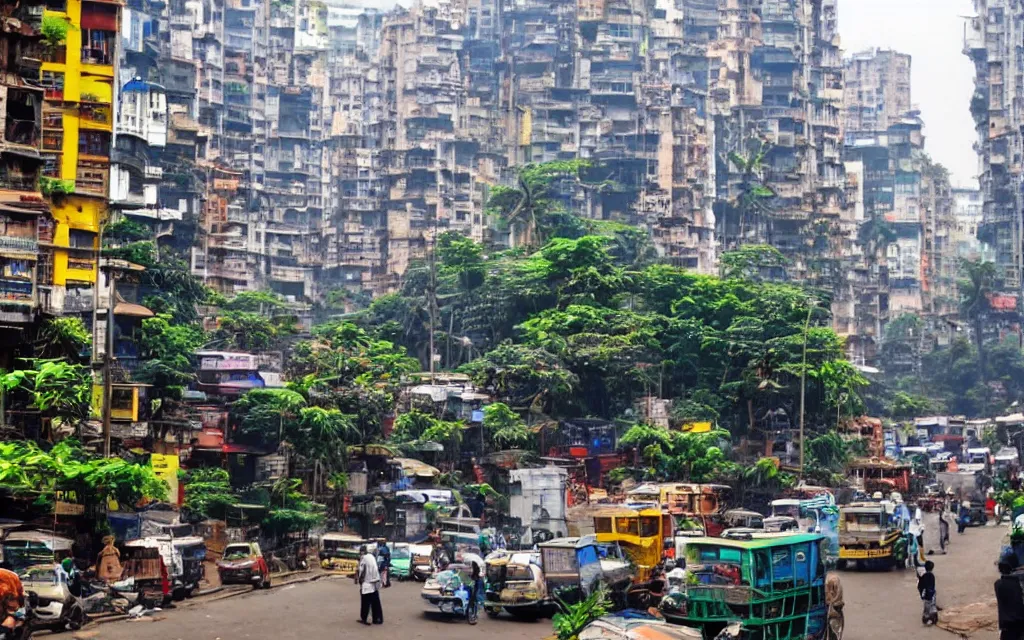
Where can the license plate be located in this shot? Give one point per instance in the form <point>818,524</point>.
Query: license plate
<point>854,554</point>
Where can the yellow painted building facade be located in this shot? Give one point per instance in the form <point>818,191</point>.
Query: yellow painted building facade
<point>77,134</point>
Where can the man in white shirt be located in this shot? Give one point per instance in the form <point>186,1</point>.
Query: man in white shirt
<point>368,579</point>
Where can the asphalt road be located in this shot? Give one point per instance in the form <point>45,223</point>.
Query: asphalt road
<point>324,609</point>
<point>886,605</point>
<point>878,605</point>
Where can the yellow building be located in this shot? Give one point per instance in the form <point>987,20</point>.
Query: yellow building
<point>77,127</point>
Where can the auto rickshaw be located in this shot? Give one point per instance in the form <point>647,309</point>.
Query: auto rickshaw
<point>641,532</point>
<point>420,563</point>
<point>340,552</point>
<point>773,585</point>
<point>515,583</point>
<point>574,567</point>
<point>742,518</point>
<point>458,543</point>
<point>874,534</point>
<point>401,560</point>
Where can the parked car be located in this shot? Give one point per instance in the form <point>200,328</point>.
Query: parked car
<point>243,563</point>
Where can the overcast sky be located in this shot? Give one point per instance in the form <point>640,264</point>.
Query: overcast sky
<point>942,78</point>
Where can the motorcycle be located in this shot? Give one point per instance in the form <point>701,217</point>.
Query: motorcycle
<point>447,591</point>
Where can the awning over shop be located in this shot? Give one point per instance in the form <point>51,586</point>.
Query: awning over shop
<point>417,468</point>
<point>132,309</point>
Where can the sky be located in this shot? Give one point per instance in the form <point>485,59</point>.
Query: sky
<point>942,77</point>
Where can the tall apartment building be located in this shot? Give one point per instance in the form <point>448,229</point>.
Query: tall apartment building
<point>991,40</point>
<point>968,205</point>
<point>777,91</point>
<point>877,92</point>
<point>77,78</point>
<point>24,214</point>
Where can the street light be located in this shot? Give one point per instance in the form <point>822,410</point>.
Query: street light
<point>803,383</point>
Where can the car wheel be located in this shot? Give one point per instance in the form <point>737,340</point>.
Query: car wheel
<point>266,582</point>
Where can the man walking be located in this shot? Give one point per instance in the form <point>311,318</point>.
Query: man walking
<point>943,529</point>
<point>368,579</point>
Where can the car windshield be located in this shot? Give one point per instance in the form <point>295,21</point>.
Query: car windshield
<point>40,576</point>
<point>237,553</point>
<point>401,553</point>
<point>786,510</point>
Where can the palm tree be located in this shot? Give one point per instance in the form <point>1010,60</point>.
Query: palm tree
<point>975,288</point>
<point>752,200</point>
<point>525,212</point>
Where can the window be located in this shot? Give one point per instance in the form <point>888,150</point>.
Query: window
<point>53,84</point>
<point>121,399</point>
<point>81,239</point>
<point>649,526</point>
<point>98,46</point>
<point>602,525</point>
<point>94,143</point>
<point>629,526</point>
<point>782,566</point>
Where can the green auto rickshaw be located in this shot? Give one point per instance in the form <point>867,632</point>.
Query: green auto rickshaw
<point>401,560</point>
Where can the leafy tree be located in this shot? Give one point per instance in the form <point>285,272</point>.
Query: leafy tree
<point>505,427</point>
<point>63,337</point>
<point>975,287</point>
<point>166,349</point>
<point>208,492</point>
<point>55,387</point>
<point>28,470</point>
<point>248,331</point>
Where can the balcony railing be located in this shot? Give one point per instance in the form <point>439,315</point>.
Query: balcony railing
<point>91,55</point>
<point>19,244</point>
<point>78,304</point>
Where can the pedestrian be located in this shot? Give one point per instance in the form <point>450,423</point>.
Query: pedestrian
<point>964,517</point>
<point>384,563</point>
<point>1009,601</point>
<point>476,592</point>
<point>943,529</point>
<point>834,600</point>
<point>926,589</point>
<point>368,579</point>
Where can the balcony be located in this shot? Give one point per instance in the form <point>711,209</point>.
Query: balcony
<point>287,274</point>
<point>97,55</point>
<point>81,301</point>
<point>15,243</point>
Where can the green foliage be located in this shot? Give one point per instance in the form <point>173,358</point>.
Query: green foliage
<point>751,261</point>
<point>126,230</point>
<point>208,492</point>
<point>827,451</point>
<point>573,618</point>
<point>56,387</point>
<point>142,253</point>
<point>262,302</point>
<point>54,30</point>
<point>65,336</point>
<point>505,427</point>
<point>166,349</point>
<point>524,375</point>
<point>51,187</point>
<point>28,470</point>
<point>248,331</point>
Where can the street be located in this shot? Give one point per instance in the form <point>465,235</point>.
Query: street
<point>886,605</point>
<point>878,605</point>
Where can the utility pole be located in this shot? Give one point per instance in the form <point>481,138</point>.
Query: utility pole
<point>803,385</point>
<point>432,298</point>
<point>108,351</point>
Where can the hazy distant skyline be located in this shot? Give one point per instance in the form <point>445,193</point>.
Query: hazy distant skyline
<point>942,77</point>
